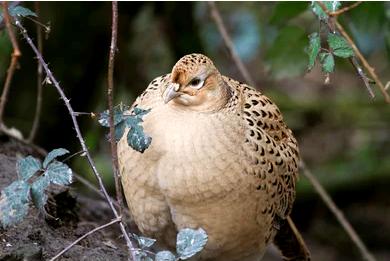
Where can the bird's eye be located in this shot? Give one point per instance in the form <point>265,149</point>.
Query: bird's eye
<point>196,83</point>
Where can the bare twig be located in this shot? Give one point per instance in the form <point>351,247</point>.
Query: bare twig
<point>110,94</point>
<point>78,134</point>
<point>337,213</point>
<point>116,220</point>
<point>38,106</point>
<point>344,9</point>
<point>321,191</point>
<point>14,60</point>
<point>229,44</point>
<point>370,70</point>
<point>362,75</point>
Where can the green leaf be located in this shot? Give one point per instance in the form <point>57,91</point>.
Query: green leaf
<point>18,11</point>
<point>120,130</point>
<point>54,154</point>
<point>284,11</point>
<point>327,62</point>
<point>27,167</point>
<point>137,139</point>
<point>286,56</point>
<point>340,46</point>
<point>14,203</point>
<point>330,5</point>
<point>104,117</point>
<point>59,173</point>
<point>165,256</point>
<point>314,49</point>
<point>190,241</point>
<point>144,242</point>
<point>38,194</point>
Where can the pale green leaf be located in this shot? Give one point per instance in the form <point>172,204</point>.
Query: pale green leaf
<point>327,62</point>
<point>104,117</point>
<point>340,46</point>
<point>165,256</point>
<point>27,167</point>
<point>59,173</point>
<point>190,241</point>
<point>18,11</point>
<point>54,154</point>
<point>314,49</point>
<point>38,194</point>
<point>330,5</point>
<point>14,203</point>
<point>144,242</point>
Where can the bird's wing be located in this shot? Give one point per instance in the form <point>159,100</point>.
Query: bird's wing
<point>271,149</point>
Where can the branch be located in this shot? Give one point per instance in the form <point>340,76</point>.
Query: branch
<point>78,133</point>
<point>229,44</point>
<point>321,191</point>
<point>110,94</point>
<point>343,10</point>
<point>337,213</point>
<point>14,61</point>
<point>118,219</point>
<point>38,107</point>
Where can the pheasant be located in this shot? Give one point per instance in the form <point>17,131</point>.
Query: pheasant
<point>221,159</point>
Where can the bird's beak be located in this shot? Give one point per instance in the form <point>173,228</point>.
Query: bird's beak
<point>171,92</point>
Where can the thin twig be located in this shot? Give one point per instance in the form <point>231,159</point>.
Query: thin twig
<point>344,9</point>
<point>38,107</point>
<point>78,134</point>
<point>14,60</point>
<point>110,94</point>
<point>337,213</point>
<point>321,191</point>
<point>118,219</point>
<point>370,70</point>
<point>229,44</point>
<point>362,75</point>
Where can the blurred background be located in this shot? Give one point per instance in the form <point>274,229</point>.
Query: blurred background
<point>344,136</point>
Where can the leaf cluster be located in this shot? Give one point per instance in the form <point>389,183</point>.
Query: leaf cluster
<point>34,178</point>
<point>17,11</point>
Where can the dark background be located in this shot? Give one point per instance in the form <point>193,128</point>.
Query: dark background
<point>343,134</point>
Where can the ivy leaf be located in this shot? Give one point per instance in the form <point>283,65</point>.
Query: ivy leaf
<point>27,167</point>
<point>104,117</point>
<point>14,203</point>
<point>327,61</point>
<point>314,49</point>
<point>18,11</point>
<point>190,241</point>
<point>54,154</point>
<point>330,5</point>
<point>38,194</point>
<point>165,256</point>
<point>144,242</point>
<point>59,173</point>
<point>340,46</point>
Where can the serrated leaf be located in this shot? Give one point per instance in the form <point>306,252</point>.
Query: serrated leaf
<point>38,194</point>
<point>137,139</point>
<point>340,46</point>
<point>27,167</point>
<point>314,49</point>
<point>165,256</point>
<point>104,117</point>
<point>144,242</point>
<point>190,241</point>
<point>14,203</point>
<point>327,61</point>
<point>330,5</point>
<point>18,11</point>
<point>59,173</point>
<point>54,154</point>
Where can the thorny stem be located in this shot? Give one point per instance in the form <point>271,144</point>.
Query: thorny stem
<point>38,107</point>
<point>14,61</point>
<point>366,65</point>
<point>319,188</point>
<point>118,219</point>
<point>110,94</point>
<point>78,133</point>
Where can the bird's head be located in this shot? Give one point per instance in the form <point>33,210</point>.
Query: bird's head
<point>196,84</point>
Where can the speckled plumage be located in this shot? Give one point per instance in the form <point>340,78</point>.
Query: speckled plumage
<point>221,158</point>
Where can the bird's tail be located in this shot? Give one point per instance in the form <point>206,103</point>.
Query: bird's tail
<point>290,242</point>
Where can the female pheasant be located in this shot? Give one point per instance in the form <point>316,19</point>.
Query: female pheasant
<point>221,159</point>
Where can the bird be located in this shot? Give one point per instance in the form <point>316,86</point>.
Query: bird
<point>221,159</point>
